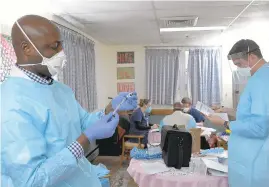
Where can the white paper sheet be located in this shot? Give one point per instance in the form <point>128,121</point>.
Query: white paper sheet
<point>215,165</point>
<point>155,144</point>
<point>217,173</point>
<point>207,129</point>
<point>204,108</point>
<point>155,167</point>
<point>155,130</point>
<point>224,116</point>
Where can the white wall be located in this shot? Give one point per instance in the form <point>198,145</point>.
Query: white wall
<point>106,68</point>
<point>105,74</point>
<point>5,29</point>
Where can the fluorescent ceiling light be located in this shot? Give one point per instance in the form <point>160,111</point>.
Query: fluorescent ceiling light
<point>192,29</point>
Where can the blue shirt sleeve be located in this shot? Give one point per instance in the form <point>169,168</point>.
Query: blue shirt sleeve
<point>137,115</point>
<point>197,115</point>
<point>24,158</point>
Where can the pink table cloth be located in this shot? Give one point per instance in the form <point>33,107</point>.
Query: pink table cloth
<point>154,137</point>
<point>172,180</point>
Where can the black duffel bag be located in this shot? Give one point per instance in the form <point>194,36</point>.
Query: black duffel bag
<point>176,146</point>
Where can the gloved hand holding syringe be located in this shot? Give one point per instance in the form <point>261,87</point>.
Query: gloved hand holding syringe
<point>105,127</point>
<point>125,98</point>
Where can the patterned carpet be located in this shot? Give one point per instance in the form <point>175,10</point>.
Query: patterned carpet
<point>119,175</point>
<point>119,179</point>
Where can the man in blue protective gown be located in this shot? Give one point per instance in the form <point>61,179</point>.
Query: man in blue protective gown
<point>44,130</point>
<point>249,141</point>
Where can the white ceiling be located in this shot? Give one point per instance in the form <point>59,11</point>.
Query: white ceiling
<point>137,22</point>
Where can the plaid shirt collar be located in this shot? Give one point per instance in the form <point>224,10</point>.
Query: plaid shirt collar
<point>35,77</point>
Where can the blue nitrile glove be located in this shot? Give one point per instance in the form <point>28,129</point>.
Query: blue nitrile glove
<point>103,128</point>
<point>129,104</point>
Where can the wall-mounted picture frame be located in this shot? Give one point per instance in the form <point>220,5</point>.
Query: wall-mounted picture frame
<point>125,73</point>
<point>126,87</point>
<point>125,57</point>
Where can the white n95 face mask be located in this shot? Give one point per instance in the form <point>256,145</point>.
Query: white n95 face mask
<point>246,71</point>
<point>55,64</point>
<point>185,110</point>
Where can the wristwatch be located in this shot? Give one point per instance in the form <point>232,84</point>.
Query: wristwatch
<point>226,124</point>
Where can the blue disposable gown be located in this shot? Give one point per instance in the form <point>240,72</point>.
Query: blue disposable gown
<point>38,122</point>
<point>249,142</point>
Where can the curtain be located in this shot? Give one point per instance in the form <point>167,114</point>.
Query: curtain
<point>204,70</point>
<point>79,72</point>
<point>162,72</point>
<point>183,88</point>
<point>8,56</point>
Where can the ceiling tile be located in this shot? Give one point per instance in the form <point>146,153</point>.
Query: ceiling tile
<point>134,38</point>
<point>210,22</point>
<point>84,6</point>
<point>172,5</point>
<point>133,22</point>
<point>188,38</point>
<point>130,16</point>
<point>131,31</point>
<point>121,26</point>
<point>201,12</point>
<point>257,11</point>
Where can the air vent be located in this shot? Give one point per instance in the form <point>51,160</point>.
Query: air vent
<point>178,22</point>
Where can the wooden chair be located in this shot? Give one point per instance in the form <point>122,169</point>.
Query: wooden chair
<point>128,146</point>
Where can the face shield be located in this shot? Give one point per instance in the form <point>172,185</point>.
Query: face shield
<point>239,66</point>
<point>239,78</point>
<point>240,60</point>
<point>239,55</point>
<point>237,62</point>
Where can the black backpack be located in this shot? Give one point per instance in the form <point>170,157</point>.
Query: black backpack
<point>176,146</point>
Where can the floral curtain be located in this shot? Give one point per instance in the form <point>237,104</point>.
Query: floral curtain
<point>8,57</point>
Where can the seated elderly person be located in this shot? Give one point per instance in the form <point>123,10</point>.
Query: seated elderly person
<point>187,108</point>
<point>179,118</point>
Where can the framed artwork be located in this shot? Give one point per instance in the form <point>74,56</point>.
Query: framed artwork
<point>126,87</point>
<point>125,57</point>
<point>125,73</point>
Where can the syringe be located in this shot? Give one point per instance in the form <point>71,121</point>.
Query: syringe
<point>119,105</point>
